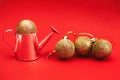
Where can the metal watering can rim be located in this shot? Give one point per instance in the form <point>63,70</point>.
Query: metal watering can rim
<point>25,34</point>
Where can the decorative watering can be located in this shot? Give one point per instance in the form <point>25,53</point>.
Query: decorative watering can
<point>27,47</point>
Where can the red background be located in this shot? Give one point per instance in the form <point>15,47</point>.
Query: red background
<point>98,17</point>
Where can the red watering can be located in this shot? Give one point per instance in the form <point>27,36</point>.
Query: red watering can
<point>27,47</point>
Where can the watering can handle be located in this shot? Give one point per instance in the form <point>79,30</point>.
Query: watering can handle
<point>3,37</point>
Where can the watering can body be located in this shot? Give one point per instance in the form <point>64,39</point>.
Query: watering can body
<point>26,44</point>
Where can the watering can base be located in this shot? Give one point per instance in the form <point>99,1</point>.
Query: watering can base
<point>27,60</point>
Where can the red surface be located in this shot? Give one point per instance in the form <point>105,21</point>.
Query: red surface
<point>98,17</point>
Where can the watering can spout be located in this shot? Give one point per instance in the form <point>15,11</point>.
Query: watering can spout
<point>47,38</point>
<point>54,30</point>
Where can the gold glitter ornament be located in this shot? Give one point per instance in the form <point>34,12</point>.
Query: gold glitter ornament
<point>26,27</point>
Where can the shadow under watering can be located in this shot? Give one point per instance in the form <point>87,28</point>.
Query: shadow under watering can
<point>27,46</point>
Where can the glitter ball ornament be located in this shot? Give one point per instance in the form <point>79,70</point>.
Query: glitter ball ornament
<point>83,45</point>
<point>65,48</point>
<point>101,49</point>
<point>26,27</point>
